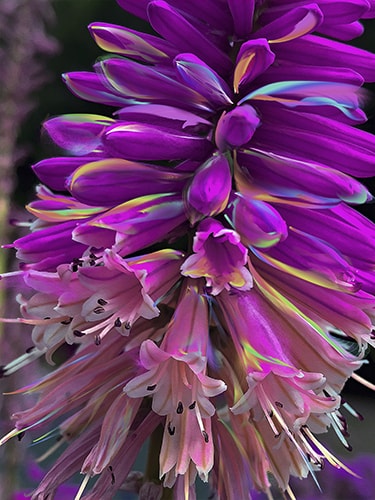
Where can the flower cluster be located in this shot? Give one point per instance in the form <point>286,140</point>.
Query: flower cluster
<point>199,249</point>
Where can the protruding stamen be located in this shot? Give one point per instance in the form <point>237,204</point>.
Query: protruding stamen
<point>77,333</point>
<point>151,387</point>
<point>192,406</point>
<point>82,487</point>
<point>118,323</point>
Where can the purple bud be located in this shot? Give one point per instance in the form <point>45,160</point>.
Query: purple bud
<point>236,128</point>
<point>209,190</point>
<point>257,222</point>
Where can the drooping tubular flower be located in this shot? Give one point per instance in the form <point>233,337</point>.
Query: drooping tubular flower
<point>200,251</point>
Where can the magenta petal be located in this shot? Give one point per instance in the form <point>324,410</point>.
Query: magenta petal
<point>170,24</point>
<point>141,222</point>
<point>242,12</point>
<point>128,141</point>
<point>343,31</point>
<point>78,134</point>
<point>254,57</point>
<point>236,128</point>
<point>257,222</point>
<point>49,247</point>
<point>209,190</point>
<point>319,51</point>
<point>92,87</point>
<point>114,181</point>
<point>146,84</point>
<point>201,78</point>
<point>295,23</point>
<point>55,171</point>
<point>130,43</point>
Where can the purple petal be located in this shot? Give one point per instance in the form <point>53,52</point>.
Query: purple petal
<point>342,147</point>
<point>340,221</point>
<point>213,13</point>
<point>318,51</point>
<point>55,171</point>
<point>146,84</point>
<point>343,31</point>
<point>91,87</point>
<point>236,128</point>
<point>114,181</point>
<point>141,141</point>
<point>209,190</point>
<point>134,44</point>
<point>305,182</point>
<point>254,58</point>
<point>242,12</point>
<point>141,222</point>
<point>172,26</point>
<point>201,78</point>
<point>167,116</point>
<point>79,134</point>
<point>293,24</point>
<point>257,222</point>
<point>49,247</point>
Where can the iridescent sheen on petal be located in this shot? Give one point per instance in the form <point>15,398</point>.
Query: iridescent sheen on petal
<point>208,192</point>
<point>219,256</point>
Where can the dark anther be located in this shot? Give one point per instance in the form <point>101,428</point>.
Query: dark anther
<point>98,340</point>
<point>205,436</point>
<point>171,429</point>
<point>75,264</point>
<point>271,413</point>
<point>151,387</point>
<point>127,325</point>
<point>30,349</point>
<point>192,406</point>
<point>278,404</point>
<point>47,317</point>
<point>118,323</point>
<point>21,435</point>
<point>2,371</point>
<point>77,333</point>
<point>92,256</point>
<point>67,321</point>
<point>112,475</point>
<point>102,302</point>
<point>99,310</point>
<point>59,438</point>
<point>180,408</point>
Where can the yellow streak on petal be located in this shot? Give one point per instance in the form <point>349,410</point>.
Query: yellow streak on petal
<point>240,70</point>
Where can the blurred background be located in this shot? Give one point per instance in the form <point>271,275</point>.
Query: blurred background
<point>40,40</point>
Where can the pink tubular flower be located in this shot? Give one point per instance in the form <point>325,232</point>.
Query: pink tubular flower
<point>200,253</point>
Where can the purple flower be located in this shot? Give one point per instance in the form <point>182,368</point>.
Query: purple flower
<point>199,249</point>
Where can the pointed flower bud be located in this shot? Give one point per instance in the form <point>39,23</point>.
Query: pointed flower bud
<point>209,190</point>
<point>258,223</point>
<point>235,128</point>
